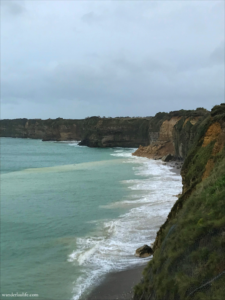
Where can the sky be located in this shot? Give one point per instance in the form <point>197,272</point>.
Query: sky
<point>76,59</point>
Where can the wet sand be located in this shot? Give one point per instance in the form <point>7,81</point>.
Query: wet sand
<point>118,285</point>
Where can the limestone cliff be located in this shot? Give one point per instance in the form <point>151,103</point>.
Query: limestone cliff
<point>189,250</point>
<point>172,133</point>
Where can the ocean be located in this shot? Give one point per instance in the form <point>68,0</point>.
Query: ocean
<point>70,214</point>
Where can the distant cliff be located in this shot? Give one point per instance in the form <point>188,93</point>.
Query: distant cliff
<point>92,132</point>
<point>189,250</point>
<point>58,129</point>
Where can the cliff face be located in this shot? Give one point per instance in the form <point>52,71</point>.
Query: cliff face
<point>172,133</point>
<point>189,250</point>
<point>116,132</point>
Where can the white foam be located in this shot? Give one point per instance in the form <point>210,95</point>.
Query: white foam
<point>113,249</point>
<point>122,154</point>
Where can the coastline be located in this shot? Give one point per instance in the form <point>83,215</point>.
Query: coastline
<point>119,285</point>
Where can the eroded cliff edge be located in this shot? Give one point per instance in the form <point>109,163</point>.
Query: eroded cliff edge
<point>189,250</point>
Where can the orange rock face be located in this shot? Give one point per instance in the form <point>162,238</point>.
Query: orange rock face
<point>164,145</point>
<point>212,133</point>
<point>155,150</point>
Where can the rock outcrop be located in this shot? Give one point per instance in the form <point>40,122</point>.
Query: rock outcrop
<point>189,257</point>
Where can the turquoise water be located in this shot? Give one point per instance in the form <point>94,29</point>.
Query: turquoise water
<point>69,212</point>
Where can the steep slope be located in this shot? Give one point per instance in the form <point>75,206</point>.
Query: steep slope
<point>189,251</point>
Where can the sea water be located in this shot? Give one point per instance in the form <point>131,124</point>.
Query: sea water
<point>70,215</point>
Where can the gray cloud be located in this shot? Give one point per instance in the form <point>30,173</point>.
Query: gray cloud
<point>218,54</point>
<point>13,8</point>
<point>73,59</point>
<point>91,18</point>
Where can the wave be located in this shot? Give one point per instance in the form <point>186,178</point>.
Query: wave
<point>112,247</point>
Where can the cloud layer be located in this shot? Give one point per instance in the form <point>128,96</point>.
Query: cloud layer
<point>74,59</point>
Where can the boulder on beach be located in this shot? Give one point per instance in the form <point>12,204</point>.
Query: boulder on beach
<point>167,158</point>
<point>144,251</point>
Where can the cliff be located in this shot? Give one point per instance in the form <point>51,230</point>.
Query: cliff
<point>94,131</point>
<point>58,129</point>
<point>116,132</point>
<point>172,133</point>
<point>165,133</point>
<point>189,250</point>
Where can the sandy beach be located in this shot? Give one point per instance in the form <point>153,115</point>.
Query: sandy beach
<point>118,285</point>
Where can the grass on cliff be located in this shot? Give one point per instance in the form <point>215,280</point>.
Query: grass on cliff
<point>193,248</point>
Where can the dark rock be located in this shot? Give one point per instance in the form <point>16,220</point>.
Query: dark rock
<point>167,158</point>
<point>144,251</point>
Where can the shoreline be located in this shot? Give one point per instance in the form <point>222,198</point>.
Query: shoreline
<point>175,166</point>
<point>117,285</point>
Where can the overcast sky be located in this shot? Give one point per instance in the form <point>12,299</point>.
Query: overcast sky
<point>74,59</point>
